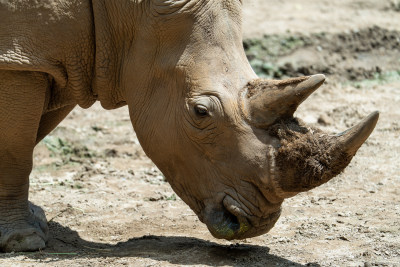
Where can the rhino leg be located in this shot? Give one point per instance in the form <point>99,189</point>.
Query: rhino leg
<point>50,120</point>
<point>22,96</point>
<point>29,234</point>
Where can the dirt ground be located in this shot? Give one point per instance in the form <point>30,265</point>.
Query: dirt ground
<point>108,205</point>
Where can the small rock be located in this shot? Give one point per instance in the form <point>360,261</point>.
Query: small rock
<point>310,119</point>
<point>111,153</point>
<point>324,120</point>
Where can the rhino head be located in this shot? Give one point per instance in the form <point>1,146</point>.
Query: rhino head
<point>226,140</point>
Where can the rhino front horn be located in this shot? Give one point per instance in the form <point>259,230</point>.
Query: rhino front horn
<point>266,101</point>
<point>351,139</point>
<point>310,158</point>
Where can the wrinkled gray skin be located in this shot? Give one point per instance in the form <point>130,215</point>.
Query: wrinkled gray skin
<point>181,69</point>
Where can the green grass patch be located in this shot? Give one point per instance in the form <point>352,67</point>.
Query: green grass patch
<point>273,45</point>
<point>66,151</point>
<point>263,53</point>
<point>379,79</point>
<point>171,198</point>
<point>59,147</point>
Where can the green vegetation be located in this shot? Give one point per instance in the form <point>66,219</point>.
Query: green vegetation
<point>262,53</point>
<point>161,197</point>
<point>71,183</point>
<point>269,55</point>
<point>171,198</point>
<point>66,151</point>
<point>273,45</point>
<point>265,69</point>
<point>378,79</point>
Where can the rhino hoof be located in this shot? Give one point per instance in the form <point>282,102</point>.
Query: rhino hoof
<point>20,242</point>
<point>28,236</point>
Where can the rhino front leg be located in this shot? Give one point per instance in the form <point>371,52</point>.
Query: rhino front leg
<point>26,233</point>
<point>51,119</point>
<point>23,226</point>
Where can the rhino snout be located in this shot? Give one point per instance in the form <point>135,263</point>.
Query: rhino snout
<point>229,221</point>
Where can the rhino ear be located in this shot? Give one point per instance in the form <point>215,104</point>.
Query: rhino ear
<point>168,7</point>
<point>266,101</point>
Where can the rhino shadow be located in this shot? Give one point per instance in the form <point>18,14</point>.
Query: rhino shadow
<point>65,243</point>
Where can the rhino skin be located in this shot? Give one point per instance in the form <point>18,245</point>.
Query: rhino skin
<point>231,148</point>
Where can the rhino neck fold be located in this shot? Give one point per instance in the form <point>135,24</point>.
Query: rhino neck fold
<point>113,39</point>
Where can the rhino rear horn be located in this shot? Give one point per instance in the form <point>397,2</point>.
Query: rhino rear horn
<point>266,101</point>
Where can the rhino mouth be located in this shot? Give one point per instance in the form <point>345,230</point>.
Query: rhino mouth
<point>232,222</point>
<point>224,224</point>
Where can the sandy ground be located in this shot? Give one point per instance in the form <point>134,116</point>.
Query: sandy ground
<point>306,16</point>
<point>109,206</point>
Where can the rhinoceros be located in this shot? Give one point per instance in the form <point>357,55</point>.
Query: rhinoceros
<point>226,141</point>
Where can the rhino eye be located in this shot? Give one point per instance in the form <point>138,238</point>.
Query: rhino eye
<point>201,111</point>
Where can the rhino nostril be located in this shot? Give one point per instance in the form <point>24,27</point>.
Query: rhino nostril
<point>224,224</point>
<point>232,221</point>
